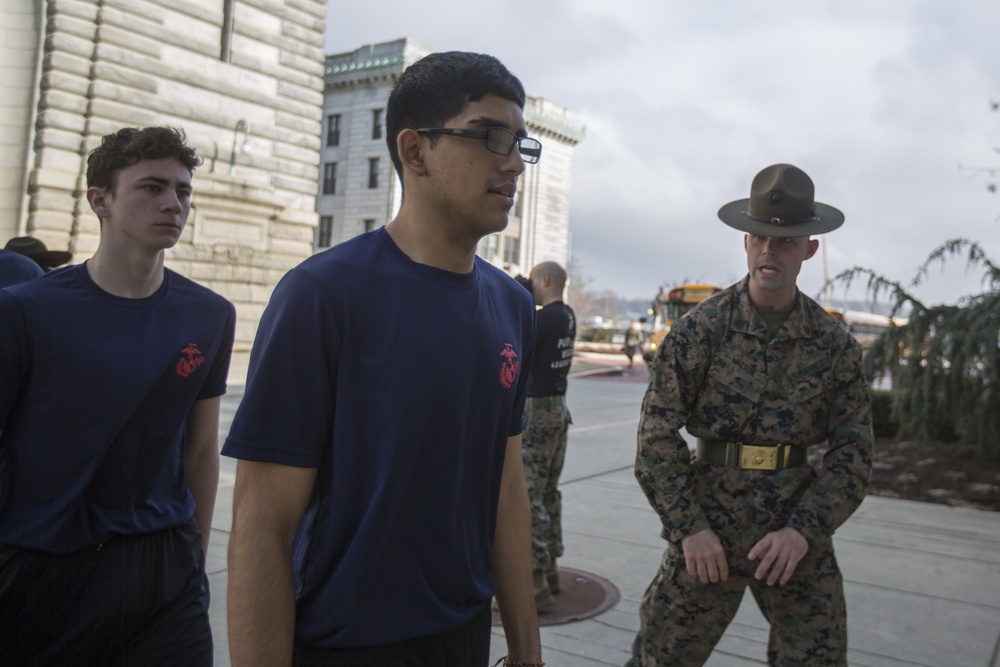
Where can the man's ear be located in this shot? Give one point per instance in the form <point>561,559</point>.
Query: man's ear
<point>98,198</point>
<point>812,248</point>
<point>410,147</point>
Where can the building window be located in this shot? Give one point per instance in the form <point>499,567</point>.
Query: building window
<point>324,233</point>
<point>377,124</point>
<point>333,130</point>
<point>330,178</point>
<point>489,246</point>
<point>373,173</point>
<point>511,251</point>
<point>369,224</point>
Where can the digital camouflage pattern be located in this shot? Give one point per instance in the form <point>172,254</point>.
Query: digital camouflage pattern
<point>681,619</point>
<point>718,375</point>
<point>543,450</point>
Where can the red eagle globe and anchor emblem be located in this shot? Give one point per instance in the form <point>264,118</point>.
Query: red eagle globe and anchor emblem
<point>509,367</point>
<point>191,359</point>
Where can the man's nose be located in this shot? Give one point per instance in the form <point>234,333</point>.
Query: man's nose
<point>171,202</point>
<point>514,163</point>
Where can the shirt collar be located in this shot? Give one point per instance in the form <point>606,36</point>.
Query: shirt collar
<point>747,320</point>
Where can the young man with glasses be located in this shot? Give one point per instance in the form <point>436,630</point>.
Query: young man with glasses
<point>380,499</point>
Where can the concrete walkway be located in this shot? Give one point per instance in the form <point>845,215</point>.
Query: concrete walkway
<point>922,581</point>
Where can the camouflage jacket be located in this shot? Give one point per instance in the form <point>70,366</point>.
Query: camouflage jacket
<point>717,375</point>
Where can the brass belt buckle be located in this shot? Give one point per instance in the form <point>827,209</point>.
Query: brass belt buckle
<point>755,457</point>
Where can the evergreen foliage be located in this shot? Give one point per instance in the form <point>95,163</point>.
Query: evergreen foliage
<point>945,361</point>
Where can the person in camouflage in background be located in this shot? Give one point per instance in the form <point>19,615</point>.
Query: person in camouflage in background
<point>757,373</point>
<point>546,424</point>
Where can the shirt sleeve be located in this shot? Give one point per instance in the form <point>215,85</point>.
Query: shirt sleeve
<point>215,382</point>
<point>842,481</point>
<point>285,415</point>
<point>663,461</point>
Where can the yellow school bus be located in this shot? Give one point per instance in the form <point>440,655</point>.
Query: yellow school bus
<point>864,326</point>
<point>672,305</point>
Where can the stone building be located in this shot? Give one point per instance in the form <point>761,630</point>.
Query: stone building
<point>359,190</point>
<point>243,78</point>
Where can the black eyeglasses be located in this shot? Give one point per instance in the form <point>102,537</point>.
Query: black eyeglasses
<point>498,140</point>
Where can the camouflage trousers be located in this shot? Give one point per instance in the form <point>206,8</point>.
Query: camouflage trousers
<point>682,619</point>
<point>546,424</point>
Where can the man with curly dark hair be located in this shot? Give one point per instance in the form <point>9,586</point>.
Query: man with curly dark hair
<point>111,374</point>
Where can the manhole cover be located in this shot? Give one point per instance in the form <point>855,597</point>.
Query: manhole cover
<point>582,595</point>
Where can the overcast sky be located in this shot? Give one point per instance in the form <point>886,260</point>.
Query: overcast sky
<point>684,102</point>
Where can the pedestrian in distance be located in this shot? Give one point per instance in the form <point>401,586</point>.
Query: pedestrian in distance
<point>757,373</point>
<point>546,425</point>
<point>380,499</point>
<point>634,338</point>
<point>111,374</point>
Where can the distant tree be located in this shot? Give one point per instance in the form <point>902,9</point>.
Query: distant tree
<point>945,361</point>
<point>578,295</point>
<point>590,303</point>
<point>608,305</point>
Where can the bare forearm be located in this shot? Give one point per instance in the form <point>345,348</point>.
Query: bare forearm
<point>268,503</point>
<point>260,603</point>
<point>202,477</point>
<point>511,557</point>
<point>201,462</point>
<point>516,601</point>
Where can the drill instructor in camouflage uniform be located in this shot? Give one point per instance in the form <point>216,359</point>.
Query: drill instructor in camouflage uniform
<point>757,373</point>
<point>546,424</point>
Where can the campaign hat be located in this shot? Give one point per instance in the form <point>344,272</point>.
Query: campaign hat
<point>782,202</point>
<point>36,250</point>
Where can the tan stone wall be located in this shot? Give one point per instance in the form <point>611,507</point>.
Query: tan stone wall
<point>20,24</point>
<point>144,62</point>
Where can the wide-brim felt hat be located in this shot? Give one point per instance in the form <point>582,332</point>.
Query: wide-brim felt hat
<point>782,202</point>
<point>36,250</point>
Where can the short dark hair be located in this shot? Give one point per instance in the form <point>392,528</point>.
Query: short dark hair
<point>128,145</point>
<point>437,87</point>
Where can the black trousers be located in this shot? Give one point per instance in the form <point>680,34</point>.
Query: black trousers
<point>466,646</point>
<point>136,600</point>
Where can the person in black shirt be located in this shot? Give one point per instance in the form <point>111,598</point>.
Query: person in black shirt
<point>546,423</point>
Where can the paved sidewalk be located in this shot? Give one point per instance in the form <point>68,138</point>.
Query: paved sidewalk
<point>922,581</point>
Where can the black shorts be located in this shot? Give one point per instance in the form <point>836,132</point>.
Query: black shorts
<point>468,645</point>
<point>136,600</point>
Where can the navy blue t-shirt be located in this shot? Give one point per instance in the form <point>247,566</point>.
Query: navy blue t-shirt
<point>401,383</point>
<point>16,268</point>
<point>94,394</point>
